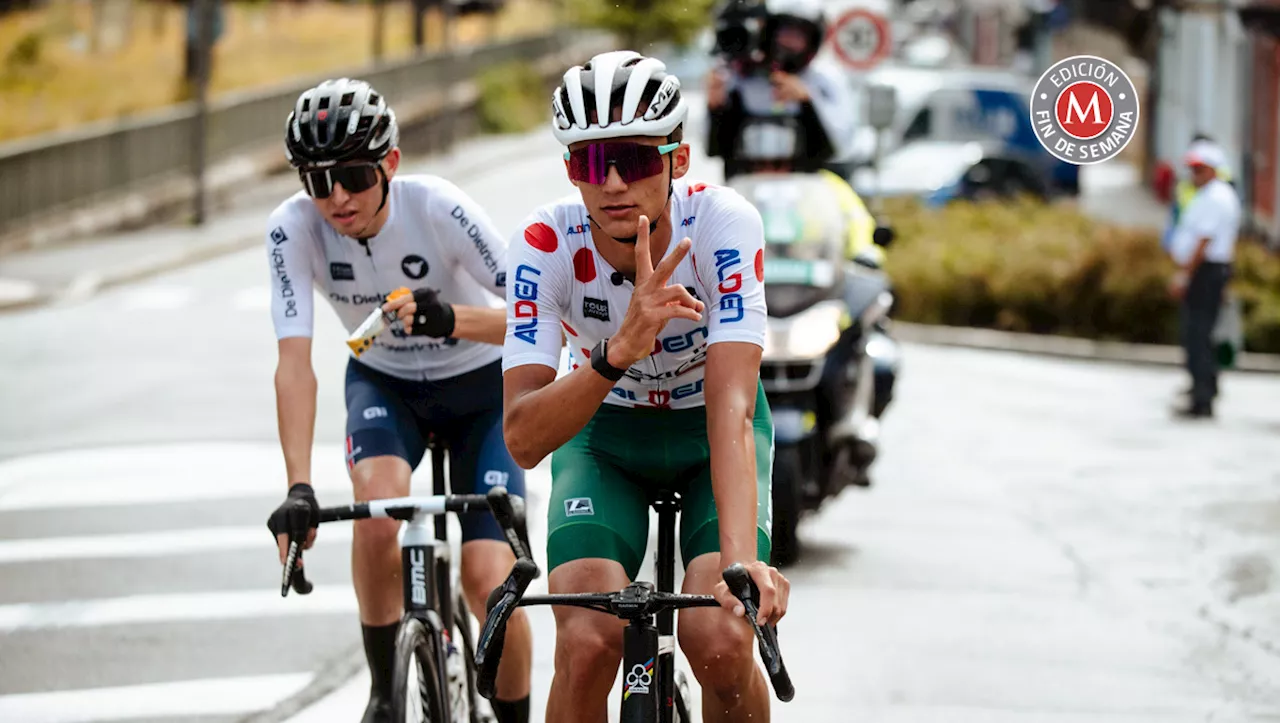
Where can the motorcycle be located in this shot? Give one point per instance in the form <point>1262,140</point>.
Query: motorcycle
<point>829,361</point>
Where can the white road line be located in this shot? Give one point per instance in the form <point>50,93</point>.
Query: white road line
<point>176,607</point>
<point>181,472</point>
<point>162,543</point>
<point>162,473</point>
<point>213,696</point>
<point>156,298</point>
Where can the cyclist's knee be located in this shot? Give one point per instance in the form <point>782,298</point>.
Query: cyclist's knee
<point>718,646</point>
<point>485,565</point>
<point>381,477</point>
<point>588,646</point>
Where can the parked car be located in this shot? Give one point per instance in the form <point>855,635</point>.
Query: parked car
<point>938,172</point>
<point>958,104</point>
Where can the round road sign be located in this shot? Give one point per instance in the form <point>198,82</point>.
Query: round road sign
<point>860,38</point>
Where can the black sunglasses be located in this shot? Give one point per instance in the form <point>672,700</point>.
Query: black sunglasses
<point>355,178</point>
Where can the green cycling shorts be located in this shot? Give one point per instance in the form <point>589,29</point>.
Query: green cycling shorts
<point>601,482</point>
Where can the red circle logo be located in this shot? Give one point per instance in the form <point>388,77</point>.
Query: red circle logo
<point>1084,110</point>
<point>584,265</point>
<point>541,237</point>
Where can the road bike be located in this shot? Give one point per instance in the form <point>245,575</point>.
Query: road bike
<point>434,678</point>
<point>653,691</point>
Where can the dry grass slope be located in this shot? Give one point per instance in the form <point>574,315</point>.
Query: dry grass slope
<point>48,71</point>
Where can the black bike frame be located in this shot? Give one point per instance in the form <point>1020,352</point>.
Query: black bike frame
<point>648,657</point>
<point>642,645</point>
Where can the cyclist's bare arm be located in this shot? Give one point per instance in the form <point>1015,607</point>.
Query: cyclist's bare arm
<point>296,413</point>
<point>540,413</point>
<point>730,388</point>
<point>483,324</point>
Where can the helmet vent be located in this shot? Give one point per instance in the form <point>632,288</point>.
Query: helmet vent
<point>347,99</point>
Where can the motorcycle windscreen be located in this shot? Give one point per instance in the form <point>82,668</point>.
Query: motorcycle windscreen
<point>805,231</point>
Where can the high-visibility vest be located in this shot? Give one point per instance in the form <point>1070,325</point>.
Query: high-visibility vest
<point>862,225</point>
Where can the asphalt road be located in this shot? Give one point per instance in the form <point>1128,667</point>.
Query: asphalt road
<point>1042,542</point>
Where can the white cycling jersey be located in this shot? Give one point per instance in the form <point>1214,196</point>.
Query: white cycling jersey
<point>434,233</point>
<point>558,282</point>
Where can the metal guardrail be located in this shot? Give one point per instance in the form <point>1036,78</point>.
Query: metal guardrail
<point>66,170</point>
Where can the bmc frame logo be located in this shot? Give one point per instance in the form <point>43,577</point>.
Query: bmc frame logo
<point>1084,109</point>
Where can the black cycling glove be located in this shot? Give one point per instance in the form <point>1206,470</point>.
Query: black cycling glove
<point>297,515</point>
<point>433,316</point>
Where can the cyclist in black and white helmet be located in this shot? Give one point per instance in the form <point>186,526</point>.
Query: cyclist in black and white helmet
<point>358,232</point>
<point>665,337</point>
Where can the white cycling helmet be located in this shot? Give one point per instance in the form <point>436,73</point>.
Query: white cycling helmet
<point>811,10</point>
<point>601,99</point>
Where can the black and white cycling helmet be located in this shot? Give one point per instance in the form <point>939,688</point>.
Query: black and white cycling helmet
<point>603,99</point>
<point>339,121</point>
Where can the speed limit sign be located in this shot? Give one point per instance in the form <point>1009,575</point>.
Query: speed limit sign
<point>860,38</point>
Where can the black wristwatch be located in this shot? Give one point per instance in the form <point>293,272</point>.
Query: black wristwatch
<point>600,362</point>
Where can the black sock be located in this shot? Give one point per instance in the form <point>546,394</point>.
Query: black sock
<point>512,711</point>
<point>380,651</point>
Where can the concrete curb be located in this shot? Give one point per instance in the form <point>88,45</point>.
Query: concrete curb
<point>1067,347</point>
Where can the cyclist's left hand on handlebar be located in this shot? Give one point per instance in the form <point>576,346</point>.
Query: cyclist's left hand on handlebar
<point>775,591</point>
<point>422,312</point>
<point>298,516</point>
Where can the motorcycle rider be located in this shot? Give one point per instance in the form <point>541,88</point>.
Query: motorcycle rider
<point>774,76</point>
<point>778,79</point>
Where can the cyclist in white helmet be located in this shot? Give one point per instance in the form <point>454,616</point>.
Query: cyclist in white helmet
<point>656,282</point>
<point>355,233</point>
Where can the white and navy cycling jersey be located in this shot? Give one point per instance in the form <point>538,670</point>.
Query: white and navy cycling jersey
<point>559,287</point>
<point>435,236</point>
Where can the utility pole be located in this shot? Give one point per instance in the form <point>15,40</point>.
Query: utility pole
<point>379,28</point>
<point>204,13</point>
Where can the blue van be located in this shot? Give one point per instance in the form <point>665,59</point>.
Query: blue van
<point>959,104</point>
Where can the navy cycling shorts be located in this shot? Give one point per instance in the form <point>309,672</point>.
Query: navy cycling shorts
<point>387,415</point>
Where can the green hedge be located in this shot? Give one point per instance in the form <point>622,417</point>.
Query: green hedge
<point>513,98</point>
<point>1051,270</point>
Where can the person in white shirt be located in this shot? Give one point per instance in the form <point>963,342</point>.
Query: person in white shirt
<point>1203,247</point>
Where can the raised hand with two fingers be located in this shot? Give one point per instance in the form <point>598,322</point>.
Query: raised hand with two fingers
<point>653,302</point>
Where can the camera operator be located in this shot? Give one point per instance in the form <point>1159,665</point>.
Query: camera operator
<point>766,72</point>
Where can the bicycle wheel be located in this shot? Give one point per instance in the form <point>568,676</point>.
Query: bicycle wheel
<point>415,681</point>
<point>682,698</point>
<point>481,711</point>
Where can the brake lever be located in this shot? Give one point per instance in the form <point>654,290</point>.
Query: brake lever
<point>292,574</point>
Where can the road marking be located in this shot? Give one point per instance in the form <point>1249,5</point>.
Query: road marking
<point>156,298</point>
<point>346,702</point>
<point>162,473</point>
<point>162,543</point>
<point>175,607</point>
<point>207,697</point>
<point>181,472</point>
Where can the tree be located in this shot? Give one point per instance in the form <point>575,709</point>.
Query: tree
<point>641,23</point>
